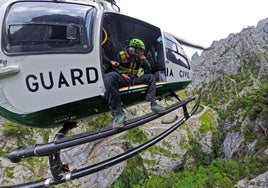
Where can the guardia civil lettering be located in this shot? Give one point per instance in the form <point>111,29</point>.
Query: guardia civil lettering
<point>50,80</point>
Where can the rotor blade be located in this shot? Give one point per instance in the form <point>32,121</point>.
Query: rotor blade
<point>183,42</point>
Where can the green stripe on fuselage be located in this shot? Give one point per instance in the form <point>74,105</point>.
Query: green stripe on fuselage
<point>56,116</point>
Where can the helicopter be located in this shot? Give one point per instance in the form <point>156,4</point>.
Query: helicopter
<point>51,74</point>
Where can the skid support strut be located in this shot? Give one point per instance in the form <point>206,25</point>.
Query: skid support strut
<point>57,168</point>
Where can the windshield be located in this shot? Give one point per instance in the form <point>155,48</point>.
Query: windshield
<point>42,27</point>
<point>174,51</point>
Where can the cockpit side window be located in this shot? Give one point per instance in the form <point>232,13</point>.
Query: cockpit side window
<point>174,51</point>
<point>47,27</point>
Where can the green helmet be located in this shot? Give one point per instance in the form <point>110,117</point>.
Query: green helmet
<point>136,43</point>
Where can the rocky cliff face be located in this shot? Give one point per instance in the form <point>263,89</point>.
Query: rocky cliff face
<point>230,75</point>
<point>244,53</point>
<point>227,56</point>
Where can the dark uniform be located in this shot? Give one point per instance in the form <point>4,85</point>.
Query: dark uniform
<point>133,69</point>
<point>138,71</point>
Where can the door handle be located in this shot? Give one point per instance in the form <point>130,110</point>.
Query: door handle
<point>9,70</point>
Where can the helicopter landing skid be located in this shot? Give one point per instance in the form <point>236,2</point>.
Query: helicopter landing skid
<point>60,172</point>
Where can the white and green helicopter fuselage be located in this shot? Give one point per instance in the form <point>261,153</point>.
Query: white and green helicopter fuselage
<point>51,59</point>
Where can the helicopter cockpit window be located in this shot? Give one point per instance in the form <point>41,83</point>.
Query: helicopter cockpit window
<point>48,27</point>
<point>174,51</point>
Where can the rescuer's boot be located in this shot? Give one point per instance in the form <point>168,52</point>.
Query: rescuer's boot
<point>157,108</point>
<point>119,120</point>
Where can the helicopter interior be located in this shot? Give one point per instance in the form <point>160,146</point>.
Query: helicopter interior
<point>121,29</point>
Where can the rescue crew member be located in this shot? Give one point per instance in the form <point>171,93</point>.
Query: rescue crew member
<point>134,69</point>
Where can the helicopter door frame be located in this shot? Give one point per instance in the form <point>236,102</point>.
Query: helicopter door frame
<point>121,28</point>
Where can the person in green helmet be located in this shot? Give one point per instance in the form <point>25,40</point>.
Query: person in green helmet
<point>133,69</point>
